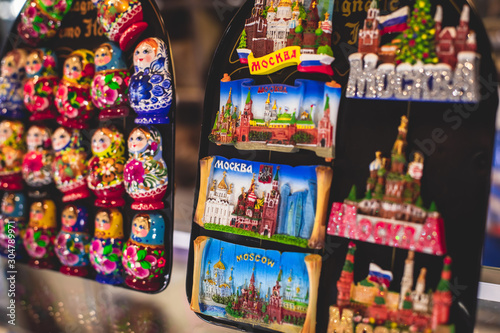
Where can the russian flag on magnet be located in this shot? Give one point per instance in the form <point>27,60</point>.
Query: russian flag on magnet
<point>394,22</point>
<point>380,276</point>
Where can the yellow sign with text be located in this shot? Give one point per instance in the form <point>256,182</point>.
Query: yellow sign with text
<point>275,61</point>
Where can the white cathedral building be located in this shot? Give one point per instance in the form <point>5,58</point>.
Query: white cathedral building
<point>218,207</point>
<point>214,283</point>
<point>279,21</point>
<point>421,300</point>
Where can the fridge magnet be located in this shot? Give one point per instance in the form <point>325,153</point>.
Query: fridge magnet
<point>266,288</point>
<point>37,162</point>
<point>286,34</point>
<point>39,89</point>
<point>12,75</point>
<point>369,305</point>
<point>144,253</point>
<point>277,117</point>
<point>12,224</point>
<point>424,61</point>
<point>40,19</point>
<point>73,241</point>
<point>12,149</point>
<point>106,247</point>
<point>73,100</point>
<point>41,233</point>
<point>268,201</point>
<point>69,168</point>
<point>122,21</point>
<point>392,212</point>
<point>105,177</point>
<point>110,85</point>
<point>150,90</point>
<point>146,175</point>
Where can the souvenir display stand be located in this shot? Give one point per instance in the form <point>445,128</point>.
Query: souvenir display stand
<point>105,97</point>
<point>372,162</point>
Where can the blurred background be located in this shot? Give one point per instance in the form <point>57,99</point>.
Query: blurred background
<point>52,302</point>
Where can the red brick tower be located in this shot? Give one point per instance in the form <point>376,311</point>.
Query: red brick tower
<point>309,41</point>
<point>256,29</point>
<point>369,36</point>
<point>325,128</point>
<point>243,129</point>
<point>345,283</point>
<point>442,297</point>
<point>274,306</point>
<point>462,30</point>
<point>270,209</point>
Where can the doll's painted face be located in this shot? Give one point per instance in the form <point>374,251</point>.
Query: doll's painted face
<point>69,216</point>
<point>73,67</point>
<point>8,205</point>
<point>5,131</point>
<point>33,63</point>
<point>36,212</point>
<point>143,56</point>
<point>102,221</point>
<point>102,56</point>
<point>60,139</point>
<point>8,65</point>
<point>100,142</point>
<point>35,137</point>
<point>140,226</point>
<point>137,141</point>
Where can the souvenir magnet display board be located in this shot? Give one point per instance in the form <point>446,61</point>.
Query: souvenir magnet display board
<point>400,116</point>
<point>88,114</point>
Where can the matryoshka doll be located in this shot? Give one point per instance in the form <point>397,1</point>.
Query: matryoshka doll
<point>37,162</point>
<point>73,99</point>
<point>12,217</point>
<point>12,75</point>
<point>121,20</point>
<point>106,247</point>
<point>110,85</point>
<point>150,90</point>
<point>146,176</point>
<point>73,241</point>
<point>69,168</point>
<point>40,19</point>
<point>106,167</point>
<point>143,254</point>
<point>40,235</point>
<point>39,89</point>
<point>12,149</point>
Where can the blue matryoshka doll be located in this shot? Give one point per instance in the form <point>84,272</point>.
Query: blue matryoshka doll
<point>144,253</point>
<point>12,75</point>
<point>73,241</point>
<point>12,217</point>
<point>150,90</point>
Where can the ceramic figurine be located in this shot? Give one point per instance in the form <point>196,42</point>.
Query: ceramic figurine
<point>69,168</point>
<point>12,75</point>
<point>150,90</point>
<point>110,85</point>
<point>12,149</point>
<point>40,19</point>
<point>145,174</point>
<point>12,217</point>
<point>37,162</point>
<point>73,241</point>
<point>143,254</point>
<point>39,89</point>
<point>106,247</point>
<point>41,233</point>
<point>73,99</point>
<point>106,167</point>
<point>121,20</point>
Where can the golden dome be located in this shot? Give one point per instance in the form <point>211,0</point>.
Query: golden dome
<point>296,8</point>
<point>274,106</point>
<point>285,3</point>
<point>220,265</point>
<point>222,184</point>
<point>268,98</point>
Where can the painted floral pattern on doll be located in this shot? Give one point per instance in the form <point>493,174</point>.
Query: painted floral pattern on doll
<point>146,175</point>
<point>37,162</point>
<point>143,254</point>
<point>73,100</point>
<point>12,213</point>
<point>12,75</point>
<point>150,89</point>
<point>12,148</point>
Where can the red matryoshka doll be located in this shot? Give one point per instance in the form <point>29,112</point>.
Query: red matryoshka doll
<point>37,162</point>
<point>143,254</point>
<point>73,100</point>
<point>12,149</point>
<point>110,85</point>
<point>106,167</point>
<point>69,168</point>
<point>40,235</point>
<point>12,75</point>
<point>73,241</point>
<point>106,247</point>
<point>39,89</point>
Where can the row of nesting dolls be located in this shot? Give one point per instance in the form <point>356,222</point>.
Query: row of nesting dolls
<point>139,262</point>
<point>101,77</point>
<point>61,157</point>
